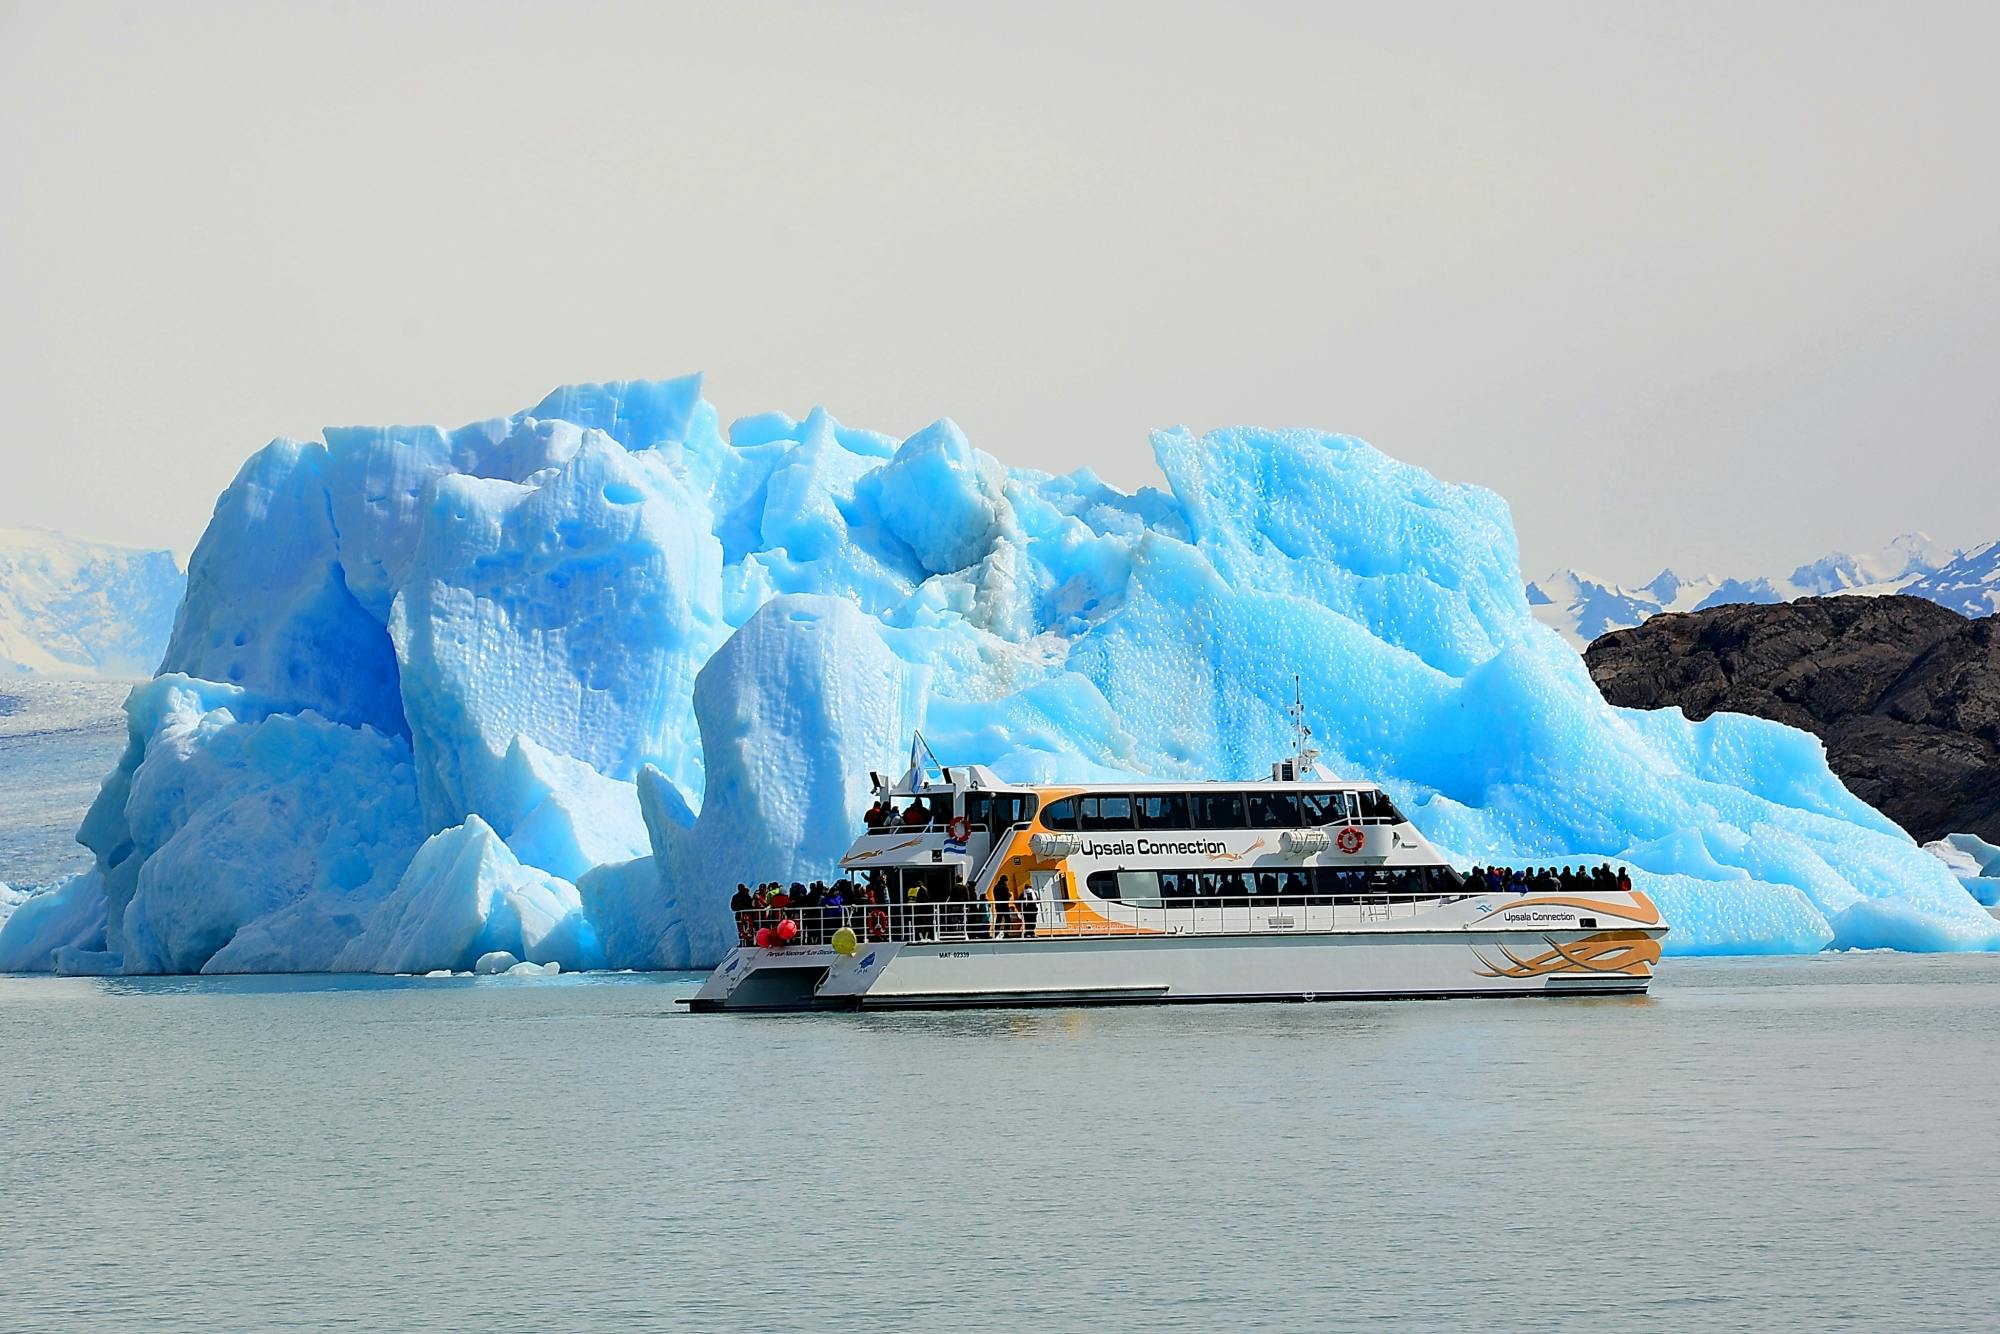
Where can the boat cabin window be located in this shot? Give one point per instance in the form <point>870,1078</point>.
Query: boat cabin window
<point>1254,809</point>
<point>1218,810</point>
<point>1319,885</point>
<point>1104,813</point>
<point>1321,808</point>
<point>1377,809</point>
<point>1273,810</point>
<point>995,811</point>
<point>1141,888</point>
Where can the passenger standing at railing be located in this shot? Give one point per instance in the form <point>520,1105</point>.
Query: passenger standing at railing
<point>744,905</point>
<point>809,911</point>
<point>782,900</point>
<point>1024,902</point>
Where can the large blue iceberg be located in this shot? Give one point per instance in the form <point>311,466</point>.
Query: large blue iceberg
<point>549,684</point>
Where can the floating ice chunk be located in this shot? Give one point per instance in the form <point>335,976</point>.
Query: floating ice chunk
<point>42,925</point>
<point>1966,854</point>
<point>464,898</point>
<point>1899,923</point>
<point>1756,918</point>
<point>230,837</point>
<point>499,961</point>
<point>627,904</point>
<point>244,840</point>
<point>1985,890</point>
<point>1975,863</point>
<point>566,817</point>
<point>74,962</point>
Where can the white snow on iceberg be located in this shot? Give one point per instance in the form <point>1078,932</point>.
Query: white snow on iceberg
<point>548,685</point>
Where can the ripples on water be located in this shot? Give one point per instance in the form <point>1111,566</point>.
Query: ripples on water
<point>1800,1143</point>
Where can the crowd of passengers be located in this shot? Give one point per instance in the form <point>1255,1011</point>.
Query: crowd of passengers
<point>1304,884</point>
<point>922,912</point>
<point>884,815</point>
<point>936,911</point>
<point>1549,879</point>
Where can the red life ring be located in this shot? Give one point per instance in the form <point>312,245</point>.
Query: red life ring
<point>959,830</point>
<point>1348,840</point>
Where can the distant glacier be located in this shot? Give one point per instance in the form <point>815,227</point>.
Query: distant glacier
<point>74,607</point>
<point>551,683</point>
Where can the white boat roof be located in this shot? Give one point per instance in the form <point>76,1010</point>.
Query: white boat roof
<point>979,778</point>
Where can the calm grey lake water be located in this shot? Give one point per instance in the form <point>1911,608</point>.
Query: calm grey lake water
<point>1801,1143</point>
<point>58,739</point>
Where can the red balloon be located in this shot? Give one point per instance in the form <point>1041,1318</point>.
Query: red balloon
<point>763,937</point>
<point>788,931</point>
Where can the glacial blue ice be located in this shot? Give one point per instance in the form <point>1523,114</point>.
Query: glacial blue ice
<point>549,685</point>
<point>1974,861</point>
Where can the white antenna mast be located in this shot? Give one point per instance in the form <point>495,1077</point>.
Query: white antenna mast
<point>1303,752</point>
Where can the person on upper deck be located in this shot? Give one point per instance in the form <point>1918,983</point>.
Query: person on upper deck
<point>878,815</point>
<point>744,905</point>
<point>916,815</point>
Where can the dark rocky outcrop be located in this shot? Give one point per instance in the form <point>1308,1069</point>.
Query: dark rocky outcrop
<point>1905,693</point>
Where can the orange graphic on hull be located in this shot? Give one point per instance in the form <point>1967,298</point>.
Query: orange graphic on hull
<point>1632,953</point>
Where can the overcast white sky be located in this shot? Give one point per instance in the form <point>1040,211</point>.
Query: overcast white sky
<point>1709,285</point>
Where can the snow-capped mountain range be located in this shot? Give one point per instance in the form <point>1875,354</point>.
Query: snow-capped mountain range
<point>1968,582</point>
<point>71,607</point>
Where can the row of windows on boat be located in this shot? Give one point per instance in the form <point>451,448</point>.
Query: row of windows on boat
<point>1304,884</point>
<point>1112,812</point>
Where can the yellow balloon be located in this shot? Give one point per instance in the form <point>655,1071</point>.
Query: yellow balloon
<point>844,940</point>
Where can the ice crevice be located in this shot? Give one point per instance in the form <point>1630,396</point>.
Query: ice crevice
<point>542,688</point>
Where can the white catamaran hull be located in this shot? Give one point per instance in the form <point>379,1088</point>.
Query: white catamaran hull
<point>1519,948</point>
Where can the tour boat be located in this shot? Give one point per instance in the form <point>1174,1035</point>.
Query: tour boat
<point>1284,889</point>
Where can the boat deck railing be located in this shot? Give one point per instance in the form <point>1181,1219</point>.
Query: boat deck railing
<point>981,919</point>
